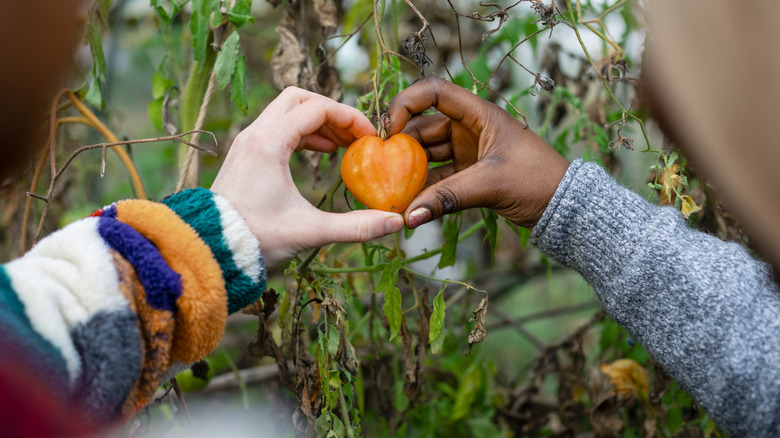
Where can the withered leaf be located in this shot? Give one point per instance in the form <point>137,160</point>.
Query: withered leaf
<point>479,331</point>
<point>688,206</point>
<point>629,379</point>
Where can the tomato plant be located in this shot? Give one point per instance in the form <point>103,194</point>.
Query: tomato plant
<point>385,174</point>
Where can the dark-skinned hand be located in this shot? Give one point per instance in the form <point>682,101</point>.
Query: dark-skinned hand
<point>497,162</point>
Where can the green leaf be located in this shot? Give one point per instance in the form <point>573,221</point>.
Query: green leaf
<point>437,317</point>
<point>436,333</point>
<point>491,223</point>
<point>467,392</point>
<point>199,27</point>
<point>240,15</point>
<point>322,425</point>
<point>674,419</point>
<point>338,429</point>
<point>392,305</point>
<point>238,86</point>
<point>239,20</point>
<point>437,344</point>
<point>93,35</point>
<point>672,158</point>
<point>333,340</point>
<point>94,94</point>
<point>154,110</point>
<point>450,230</point>
<point>227,59</point>
<point>103,7</point>
<point>161,12</point>
<point>160,85</point>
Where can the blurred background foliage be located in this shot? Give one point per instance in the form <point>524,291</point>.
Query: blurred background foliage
<point>372,340</point>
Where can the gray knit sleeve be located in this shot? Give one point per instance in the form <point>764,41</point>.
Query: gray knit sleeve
<point>704,308</point>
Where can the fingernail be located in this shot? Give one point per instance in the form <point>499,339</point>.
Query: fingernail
<point>419,217</point>
<point>393,224</point>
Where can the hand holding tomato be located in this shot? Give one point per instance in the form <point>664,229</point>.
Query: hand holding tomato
<point>496,161</point>
<point>256,179</point>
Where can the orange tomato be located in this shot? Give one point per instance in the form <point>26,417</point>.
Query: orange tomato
<point>385,175</point>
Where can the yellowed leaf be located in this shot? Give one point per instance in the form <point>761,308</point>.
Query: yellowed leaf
<point>629,378</point>
<point>669,180</point>
<point>688,206</point>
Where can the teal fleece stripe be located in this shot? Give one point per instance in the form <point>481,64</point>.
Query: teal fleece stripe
<point>21,343</point>
<point>197,208</point>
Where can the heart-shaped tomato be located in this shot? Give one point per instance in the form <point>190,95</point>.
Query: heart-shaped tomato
<point>385,175</point>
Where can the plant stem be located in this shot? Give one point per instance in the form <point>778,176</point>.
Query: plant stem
<point>603,81</point>
<point>442,280</point>
<point>192,98</point>
<point>345,414</point>
<point>138,186</point>
<point>428,254</point>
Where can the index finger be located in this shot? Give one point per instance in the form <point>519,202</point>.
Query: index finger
<point>306,112</point>
<point>450,99</point>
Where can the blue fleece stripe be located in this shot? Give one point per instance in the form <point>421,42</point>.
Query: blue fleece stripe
<point>20,342</point>
<point>109,211</point>
<point>162,284</point>
<point>197,208</point>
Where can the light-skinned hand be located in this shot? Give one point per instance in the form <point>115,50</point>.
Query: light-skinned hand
<point>256,179</point>
<point>497,162</point>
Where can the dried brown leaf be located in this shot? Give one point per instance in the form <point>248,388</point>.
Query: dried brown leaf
<point>327,14</point>
<point>479,331</point>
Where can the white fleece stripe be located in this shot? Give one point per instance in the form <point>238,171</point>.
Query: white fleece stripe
<point>241,242</point>
<point>63,281</point>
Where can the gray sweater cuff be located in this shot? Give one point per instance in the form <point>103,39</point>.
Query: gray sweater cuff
<point>587,224</point>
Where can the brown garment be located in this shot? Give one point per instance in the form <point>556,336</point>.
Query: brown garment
<point>715,69</point>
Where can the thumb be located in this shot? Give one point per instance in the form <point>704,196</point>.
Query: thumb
<point>357,226</point>
<point>466,189</point>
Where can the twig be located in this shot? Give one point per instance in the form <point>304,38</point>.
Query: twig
<point>507,321</point>
<point>519,327</point>
<point>49,196</point>
<point>326,199</point>
<point>603,82</point>
<point>180,396</point>
<point>443,280</point>
<point>343,43</point>
<point>36,179</point>
<point>384,49</point>
<point>138,186</point>
<point>473,77</point>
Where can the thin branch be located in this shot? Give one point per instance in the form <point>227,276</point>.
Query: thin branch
<point>343,43</point>
<point>507,321</point>
<point>180,396</point>
<point>138,186</point>
<point>519,327</point>
<point>473,77</point>
<point>37,176</point>
<point>49,196</point>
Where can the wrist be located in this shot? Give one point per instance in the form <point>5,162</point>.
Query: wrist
<point>232,243</point>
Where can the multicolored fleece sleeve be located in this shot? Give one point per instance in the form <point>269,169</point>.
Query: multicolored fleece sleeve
<point>108,307</point>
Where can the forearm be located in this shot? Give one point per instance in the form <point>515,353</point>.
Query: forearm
<point>112,304</point>
<point>705,310</point>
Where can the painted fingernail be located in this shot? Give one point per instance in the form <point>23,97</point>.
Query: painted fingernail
<point>393,224</point>
<point>419,217</point>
